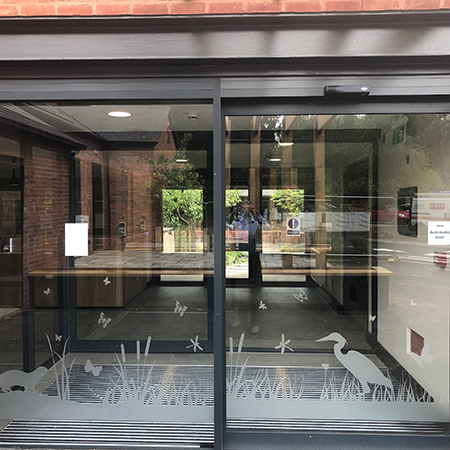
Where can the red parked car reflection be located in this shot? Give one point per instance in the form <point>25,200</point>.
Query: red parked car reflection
<point>387,214</point>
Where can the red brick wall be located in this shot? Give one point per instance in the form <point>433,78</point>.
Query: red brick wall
<point>174,7</point>
<point>46,210</point>
<point>8,201</point>
<point>87,157</point>
<point>125,173</point>
<point>130,200</point>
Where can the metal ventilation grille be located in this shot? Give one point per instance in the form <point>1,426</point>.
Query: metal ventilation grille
<point>55,433</point>
<point>198,380</point>
<point>310,383</point>
<point>339,426</point>
<point>85,388</point>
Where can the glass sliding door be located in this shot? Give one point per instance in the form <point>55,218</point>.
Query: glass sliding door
<point>337,280</point>
<point>11,211</point>
<point>118,272</point>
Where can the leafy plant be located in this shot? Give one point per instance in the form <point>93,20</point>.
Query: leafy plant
<point>233,257</point>
<point>232,198</point>
<point>290,200</point>
<point>182,209</point>
<point>178,187</point>
<point>169,174</point>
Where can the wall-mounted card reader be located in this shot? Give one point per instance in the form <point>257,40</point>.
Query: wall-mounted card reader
<point>122,229</point>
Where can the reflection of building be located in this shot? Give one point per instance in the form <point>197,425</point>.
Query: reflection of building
<point>250,90</point>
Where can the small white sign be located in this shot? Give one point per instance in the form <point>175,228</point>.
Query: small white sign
<point>438,233</point>
<point>77,239</point>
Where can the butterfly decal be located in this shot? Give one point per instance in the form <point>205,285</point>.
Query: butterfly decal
<point>47,291</point>
<point>262,305</point>
<point>372,318</point>
<point>179,309</point>
<point>106,281</point>
<point>301,297</point>
<point>89,367</point>
<point>103,320</point>
<point>58,337</point>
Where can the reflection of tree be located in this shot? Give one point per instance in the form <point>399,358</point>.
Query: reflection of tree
<point>290,200</point>
<point>397,174</point>
<point>433,132</point>
<point>177,189</point>
<point>232,198</point>
<point>351,143</point>
<point>182,209</point>
<point>421,160</point>
<point>169,174</point>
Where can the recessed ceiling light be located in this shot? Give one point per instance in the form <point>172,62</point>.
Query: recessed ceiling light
<point>285,144</point>
<point>275,159</point>
<point>181,160</point>
<point>119,114</point>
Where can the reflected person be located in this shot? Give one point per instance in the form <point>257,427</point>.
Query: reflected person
<point>246,219</point>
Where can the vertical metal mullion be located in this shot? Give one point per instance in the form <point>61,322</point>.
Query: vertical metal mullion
<point>219,272</point>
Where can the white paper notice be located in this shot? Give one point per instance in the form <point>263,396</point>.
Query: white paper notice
<point>77,239</point>
<point>438,233</point>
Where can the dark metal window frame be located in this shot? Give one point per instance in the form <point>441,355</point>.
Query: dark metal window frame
<point>233,97</point>
<point>421,103</point>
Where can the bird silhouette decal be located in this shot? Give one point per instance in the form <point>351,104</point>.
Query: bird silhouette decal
<point>361,367</point>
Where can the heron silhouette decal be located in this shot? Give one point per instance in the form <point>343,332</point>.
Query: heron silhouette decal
<point>361,367</point>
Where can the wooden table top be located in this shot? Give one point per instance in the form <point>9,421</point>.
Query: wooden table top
<point>143,272</point>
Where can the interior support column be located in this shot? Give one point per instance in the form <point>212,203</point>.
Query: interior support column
<point>255,163</point>
<point>227,153</point>
<point>289,174</point>
<point>319,191</point>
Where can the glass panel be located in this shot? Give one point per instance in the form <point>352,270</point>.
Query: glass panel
<point>118,268</point>
<point>337,289</point>
<point>11,186</point>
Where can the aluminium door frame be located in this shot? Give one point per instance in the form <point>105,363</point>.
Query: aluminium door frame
<point>298,105</point>
<point>219,91</point>
<point>83,90</point>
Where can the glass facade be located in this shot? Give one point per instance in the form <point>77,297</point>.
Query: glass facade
<point>336,240</point>
<point>337,237</point>
<point>107,207</point>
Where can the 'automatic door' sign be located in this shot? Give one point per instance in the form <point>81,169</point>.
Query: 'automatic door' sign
<point>438,233</point>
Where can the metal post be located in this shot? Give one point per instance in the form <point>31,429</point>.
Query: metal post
<point>219,274</point>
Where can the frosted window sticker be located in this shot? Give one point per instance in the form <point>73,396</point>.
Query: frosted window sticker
<point>357,364</point>
<point>347,389</point>
<point>126,389</point>
<point>76,239</point>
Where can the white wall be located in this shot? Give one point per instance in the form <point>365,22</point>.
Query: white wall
<point>419,292</point>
